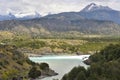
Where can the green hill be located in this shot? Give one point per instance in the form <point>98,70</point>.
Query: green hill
<point>15,65</point>
<point>105,65</point>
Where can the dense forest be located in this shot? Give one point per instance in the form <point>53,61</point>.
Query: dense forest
<point>105,65</point>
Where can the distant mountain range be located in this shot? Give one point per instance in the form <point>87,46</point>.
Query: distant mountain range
<point>93,19</point>
<point>91,11</point>
<point>20,16</point>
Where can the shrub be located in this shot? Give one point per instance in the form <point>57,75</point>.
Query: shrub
<point>34,73</point>
<point>44,66</point>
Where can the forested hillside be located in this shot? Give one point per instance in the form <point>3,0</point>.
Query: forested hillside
<point>105,65</point>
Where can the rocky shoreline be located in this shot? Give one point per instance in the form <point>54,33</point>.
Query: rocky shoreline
<point>50,74</point>
<point>87,62</point>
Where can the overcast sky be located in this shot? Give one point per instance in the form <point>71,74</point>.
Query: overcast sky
<point>51,6</point>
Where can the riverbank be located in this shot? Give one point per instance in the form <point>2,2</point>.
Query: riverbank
<point>104,65</point>
<point>60,64</point>
<point>16,66</point>
<point>49,73</point>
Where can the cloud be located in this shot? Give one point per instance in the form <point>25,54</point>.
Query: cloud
<point>53,6</point>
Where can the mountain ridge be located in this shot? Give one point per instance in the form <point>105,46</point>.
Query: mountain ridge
<point>100,22</point>
<point>99,12</point>
<point>20,16</point>
<point>84,26</point>
<point>91,11</point>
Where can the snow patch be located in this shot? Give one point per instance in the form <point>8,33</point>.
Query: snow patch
<point>93,6</point>
<point>32,14</point>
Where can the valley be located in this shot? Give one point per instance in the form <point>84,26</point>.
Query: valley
<point>32,45</point>
<point>71,45</point>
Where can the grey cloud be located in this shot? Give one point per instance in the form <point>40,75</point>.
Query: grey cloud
<point>53,6</point>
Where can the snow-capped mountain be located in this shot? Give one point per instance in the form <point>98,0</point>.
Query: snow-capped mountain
<point>20,16</point>
<point>94,7</point>
<point>91,11</point>
<point>98,12</point>
<point>98,20</point>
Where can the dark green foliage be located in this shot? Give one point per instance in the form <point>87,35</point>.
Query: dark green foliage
<point>44,66</point>
<point>30,62</point>
<point>81,76</point>
<point>105,66</point>
<point>65,77</point>
<point>74,74</point>
<point>112,52</point>
<point>34,73</point>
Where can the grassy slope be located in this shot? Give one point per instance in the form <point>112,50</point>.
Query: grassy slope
<point>66,45</point>
<point>15,64</point>
<point>12,63</point>
<point>84,44</point>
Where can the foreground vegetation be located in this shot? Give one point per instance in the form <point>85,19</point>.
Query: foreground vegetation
<point>16,66</point>
<point>105,65</point>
